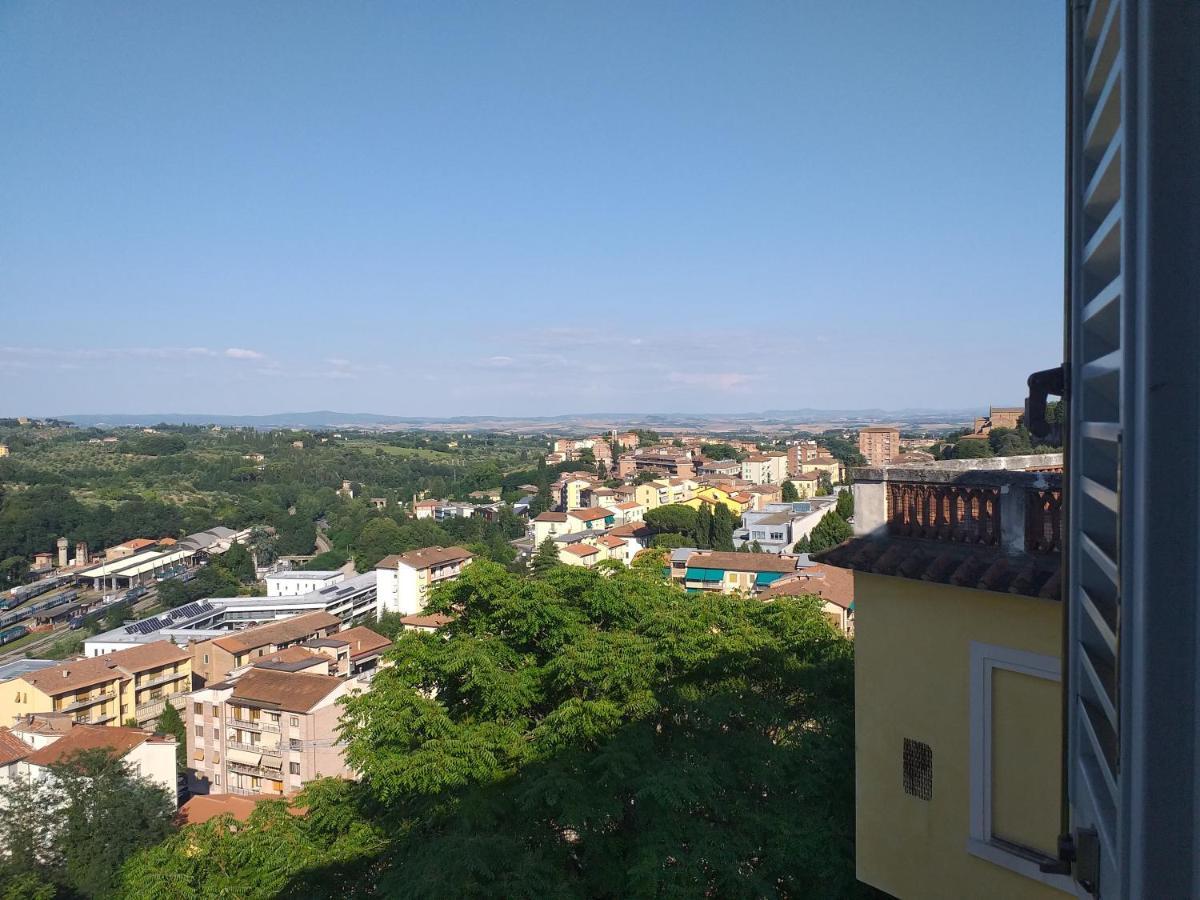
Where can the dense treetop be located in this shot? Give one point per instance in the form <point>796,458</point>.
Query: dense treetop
<point>578,734</point>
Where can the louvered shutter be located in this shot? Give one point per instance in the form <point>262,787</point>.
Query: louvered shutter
<point>1134,135</point>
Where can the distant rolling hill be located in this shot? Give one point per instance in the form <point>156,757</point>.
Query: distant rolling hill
<point>591,421</point>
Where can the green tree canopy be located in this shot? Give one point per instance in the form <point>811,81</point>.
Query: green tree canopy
<point>789,492</point>
<point>829,532</point>
<point>545,558</point>
<point>674,517</point>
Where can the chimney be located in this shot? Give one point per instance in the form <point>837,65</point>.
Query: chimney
<point>62,552</point>
<point>66,673</point>
<point>81,553</point>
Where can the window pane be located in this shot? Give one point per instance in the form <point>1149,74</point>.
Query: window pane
<point>1026,734</point>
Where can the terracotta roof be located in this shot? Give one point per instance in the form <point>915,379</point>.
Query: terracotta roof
<point>807,476</point>
<point>203,807</point>
<point>757,458</point>
<point>362,640</point>
<point>741,562</point>
<point>581,549</point>
<point>550,517</point>
<point>591,514</point>
<point>878,429</point>
<point>12,748</point>
<point>828,582</point>
<point>284,631</point>
<point>77,673</point>
<point>629,505</point>
<point>425,557</point>
<point>985,568</point>
<point>289,691</point>
<point>611,542</point>
<point>632,529</point>
<point>148,656</point>
<point>138,543</point>
<point>426,620</point>
<point>81,738</point>
<point>291,659</point>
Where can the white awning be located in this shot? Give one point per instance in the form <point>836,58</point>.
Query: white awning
<point>245,757</point>
<point>272,762</point>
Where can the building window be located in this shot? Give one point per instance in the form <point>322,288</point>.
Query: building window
<point>198,708</point>
<point>1015,740</point>
<point>206,659</point>
<point>918,769</point>
<point>293,744</point>
<point>294,768</point>
<point>216,734</point>
<point>217,779</point>
<point>295,721</point>
<point>200,731</point>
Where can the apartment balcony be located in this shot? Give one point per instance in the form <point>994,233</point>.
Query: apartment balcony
<point>256,725</point>
<point>254,748</point>
<point>88,701</point>
<point>161,680</point>
<point>994,524</point>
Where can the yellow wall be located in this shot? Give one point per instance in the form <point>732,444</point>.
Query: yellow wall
<point>715,495</point>
<point>913,680</point>
<point>19,698</point>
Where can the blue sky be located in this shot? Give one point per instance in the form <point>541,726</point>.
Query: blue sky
<point>527,208</point>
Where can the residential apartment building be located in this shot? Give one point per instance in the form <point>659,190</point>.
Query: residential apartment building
<point>806,484</point>
<point>267,733</point>
<point>547,524</point>
<point>879,445</point>
<point>802,452</point>
<point>833,585</point>
<point>35,745</point>
<point>765,468</point>
<point>403,581</point>
<point>668,461</point>
<point>629,511</point>
<point>720,468</point>
<point>713,496</point>
<point>570,491</point>
<point>594,518</point>
<point>730,573</point>
<point>213,659</point>
<point>664,491</point>
<point>824,465</point>
<point>957,590</point>
<point>101,690</point>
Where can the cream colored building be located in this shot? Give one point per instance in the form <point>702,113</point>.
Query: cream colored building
<point>102,690</point>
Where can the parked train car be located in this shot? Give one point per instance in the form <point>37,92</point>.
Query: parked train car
<point>24,592</point>
<point>8,635</point>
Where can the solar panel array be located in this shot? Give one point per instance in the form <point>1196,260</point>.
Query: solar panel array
<point>154,623</point>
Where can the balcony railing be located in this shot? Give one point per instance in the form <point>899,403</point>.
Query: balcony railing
<point>254,748</point>
<point>940,512</point>
<point>162,679</point>
<point>257,725</point>
<point>88,701</point>
<point>1008,504</point>
<point>1043,521</point>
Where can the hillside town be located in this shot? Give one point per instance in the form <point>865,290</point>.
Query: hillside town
<point>257,679</point>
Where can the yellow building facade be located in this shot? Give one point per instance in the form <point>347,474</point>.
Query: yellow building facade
<point>102,690</point>
<point>974,677</point>
<point>958,694</point>
<point>713,496</point>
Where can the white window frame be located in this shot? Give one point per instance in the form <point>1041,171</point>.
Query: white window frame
<point>985,660</point>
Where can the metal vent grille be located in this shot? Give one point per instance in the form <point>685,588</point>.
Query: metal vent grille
<point>918,769</point>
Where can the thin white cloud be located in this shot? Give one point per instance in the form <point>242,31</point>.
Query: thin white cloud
<point>241,353</point>
<point>717,381</point>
